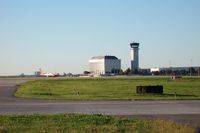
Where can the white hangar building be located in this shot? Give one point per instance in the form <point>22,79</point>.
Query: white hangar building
<point>104,65</point>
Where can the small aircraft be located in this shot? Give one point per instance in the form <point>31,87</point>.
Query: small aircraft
<point>42,74</point>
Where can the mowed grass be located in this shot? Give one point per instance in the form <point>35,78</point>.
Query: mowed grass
<point>79,123</point>
<point>123,88</point>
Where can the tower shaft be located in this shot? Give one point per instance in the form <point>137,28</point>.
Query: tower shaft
<point>134,57</point>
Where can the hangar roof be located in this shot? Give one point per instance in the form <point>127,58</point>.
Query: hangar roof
<point>104,57</point>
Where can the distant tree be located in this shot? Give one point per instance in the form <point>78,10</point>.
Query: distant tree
<point>198,71</point>
<point>192,71</point>
<point>145,72</point>
<point>22,75</point>
<point>156,73</point>
<point>64,74</point>
<point>183,72</point>
<point>121,72</point>
<point>86,72</point>
<point>127,71</point>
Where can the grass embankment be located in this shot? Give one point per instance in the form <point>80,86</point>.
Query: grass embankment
<point>109,88</point>
<point>75,123</point>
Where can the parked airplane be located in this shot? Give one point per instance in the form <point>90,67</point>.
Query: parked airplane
<point>40,73</point>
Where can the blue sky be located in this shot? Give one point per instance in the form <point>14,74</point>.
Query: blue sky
<point>62,35</point>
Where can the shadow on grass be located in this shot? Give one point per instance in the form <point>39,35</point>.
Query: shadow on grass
<point>168,95</point>
<point>180,95</point>
<point>44,94</point>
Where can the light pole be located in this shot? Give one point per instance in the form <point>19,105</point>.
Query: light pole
<point>190,67</point>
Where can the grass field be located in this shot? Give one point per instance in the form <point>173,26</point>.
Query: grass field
<point>77,123</point>
<point>109,88</point>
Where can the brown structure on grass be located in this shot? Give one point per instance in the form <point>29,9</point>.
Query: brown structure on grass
<point>158,89</point>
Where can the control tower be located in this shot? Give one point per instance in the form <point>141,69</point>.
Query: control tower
<point>134,57</point>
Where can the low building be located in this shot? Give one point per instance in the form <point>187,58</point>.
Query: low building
<point>193,70</point>
<point>104,65</point>
<point>170,69</point>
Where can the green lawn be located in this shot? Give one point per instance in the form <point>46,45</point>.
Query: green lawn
<point>78,123</point>
<point>109,88</point>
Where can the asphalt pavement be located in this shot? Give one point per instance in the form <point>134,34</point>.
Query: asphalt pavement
<point>185,111</point>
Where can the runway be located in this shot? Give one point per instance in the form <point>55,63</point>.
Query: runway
<point>186,111</point>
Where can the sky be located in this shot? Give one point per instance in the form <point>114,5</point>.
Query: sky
<point>62,35</point>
